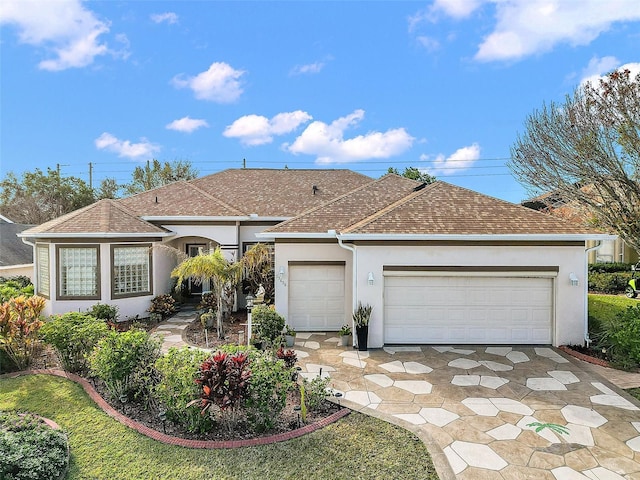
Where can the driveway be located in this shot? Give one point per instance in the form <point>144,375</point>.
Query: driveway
<point>477,407</point>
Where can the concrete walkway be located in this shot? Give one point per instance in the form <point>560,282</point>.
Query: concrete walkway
<point>477,408</point>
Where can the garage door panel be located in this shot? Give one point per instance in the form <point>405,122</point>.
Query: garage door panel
<point>316,297</point>
<point>457,309</point>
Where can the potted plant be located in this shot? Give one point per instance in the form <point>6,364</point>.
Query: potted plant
<point>207,319</point>
<point>361,317</point>
<point>345,335</point>
<point>289,335</point>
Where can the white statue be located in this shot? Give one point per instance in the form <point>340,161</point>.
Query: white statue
<point>259,294</point>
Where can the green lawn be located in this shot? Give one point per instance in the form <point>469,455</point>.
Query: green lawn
<point>606,307</point>
<point>357,446</point>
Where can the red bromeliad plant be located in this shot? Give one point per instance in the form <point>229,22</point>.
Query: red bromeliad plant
<point>224,379</point>
<point>19,325</point>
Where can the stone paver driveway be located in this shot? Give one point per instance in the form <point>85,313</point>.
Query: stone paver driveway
<point>480,407</point>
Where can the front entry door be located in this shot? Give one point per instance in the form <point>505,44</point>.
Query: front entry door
<point>195,289</point>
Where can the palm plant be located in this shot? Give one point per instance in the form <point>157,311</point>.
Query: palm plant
<point>224,275</point>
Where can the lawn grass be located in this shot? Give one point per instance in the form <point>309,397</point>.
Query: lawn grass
<point>357,446</point>
<point>607,307</point>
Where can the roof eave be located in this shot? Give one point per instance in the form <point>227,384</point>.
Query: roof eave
<point>193,218</point>
<point>96,235</point>
<point>274,235</point>
<point>563,237</point>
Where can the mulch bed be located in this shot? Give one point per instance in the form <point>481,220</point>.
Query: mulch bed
<point>588,354</point>
<point>194,334</point>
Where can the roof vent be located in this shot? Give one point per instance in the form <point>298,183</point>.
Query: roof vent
<point>420,187</point>
<point>314,188</point>
<point>156,199</point>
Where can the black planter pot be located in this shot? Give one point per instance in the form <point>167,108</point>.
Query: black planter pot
<point>362,333</point>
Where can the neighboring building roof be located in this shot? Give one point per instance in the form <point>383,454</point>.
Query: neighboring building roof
<point>105,218</point>
<point>178,199</point>
<point>279,193</point>
<point>437,209</point>
<point>13,251</point>
<point>339,214</point>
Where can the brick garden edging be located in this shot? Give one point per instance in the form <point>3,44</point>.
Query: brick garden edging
<point>181,442</point>
<point>583,357</point>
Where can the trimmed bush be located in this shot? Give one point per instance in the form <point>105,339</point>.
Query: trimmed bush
<point>30,449</point>
<point>267,395</point>
<point>269,323</point>
<point>610,267</point>
<point>612,283</point>
<point>11,287</point>
<point>74,335</point>
<point>125,362</point>
<point>176,388</point>
<point>164,305</point>
<point>102,311</point>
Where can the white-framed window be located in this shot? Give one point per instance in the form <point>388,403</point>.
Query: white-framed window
<point>78,272</point>
<point>42,266</point>
<point>131,267</point>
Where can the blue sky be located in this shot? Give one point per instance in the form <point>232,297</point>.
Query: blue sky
<point>444,86</point>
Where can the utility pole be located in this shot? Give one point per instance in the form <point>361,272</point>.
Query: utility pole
<point>244,163</point>
<point>91,175</point>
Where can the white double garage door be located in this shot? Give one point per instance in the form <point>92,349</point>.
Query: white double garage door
<point>436,307</point>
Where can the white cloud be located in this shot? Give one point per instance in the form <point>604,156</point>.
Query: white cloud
<point>187,124</point>
<point>460,160</point>
<point>327,143</point>
<point>124,148</point>
<point>168,17</point>
<point>457,8</point>
<point>310,68</point>
<point>536,26</point>
<point>259,130</point>
<point>220,83</point>
<point>65,28</point>
<point>598,67</point>
<point>428,43</point>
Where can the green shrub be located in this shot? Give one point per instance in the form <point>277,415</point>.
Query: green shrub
<point>315,391</point>
<point>30,449</point>
<point>609,282</point>
<point>125,362</point>
<point>267,395</point>
<point>610,267</point>
<point>269,323</point>
<point>11,287</point>
<point>176,387</point>
<point>620,337</point>
<point>102,311</point>
<point>74,335</point>
<point>164,305</point>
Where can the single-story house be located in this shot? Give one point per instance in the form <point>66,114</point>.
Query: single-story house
<point>16,258</point>
<point>439,263</point>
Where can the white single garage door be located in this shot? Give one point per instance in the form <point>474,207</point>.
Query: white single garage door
<point>468,309</point>
<point>316,297</point>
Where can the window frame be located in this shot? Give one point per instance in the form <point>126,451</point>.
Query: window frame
<point>43,247</point>
<point>149,291</point>
<point>59,295</point>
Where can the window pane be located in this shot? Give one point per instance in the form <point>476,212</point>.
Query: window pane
<point>131,270</point>
<point>78,272</point>
<point>42,264</point>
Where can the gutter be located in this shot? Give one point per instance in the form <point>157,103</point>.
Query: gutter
<point>586,291</point>
<point>354,251</point>
<point>35,259</point>
<point>95,235</point>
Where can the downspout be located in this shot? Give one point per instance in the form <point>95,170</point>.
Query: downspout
<point>354,251</point>
<point>586,291</point>
<point>33,246</point>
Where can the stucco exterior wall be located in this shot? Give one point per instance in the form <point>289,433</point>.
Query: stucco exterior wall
<point>18,270</point>
<point>568,301</point>
<point>305,252</point>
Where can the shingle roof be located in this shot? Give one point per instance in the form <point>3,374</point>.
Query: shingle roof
<point>13,251</point>
<point>178,199</point>
<point>436,209</point>
<point>279,193</point>
<point>348,209</point>
<point>103,217</point>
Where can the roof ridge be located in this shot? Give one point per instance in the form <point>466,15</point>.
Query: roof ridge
<point>334,200</point>
<point>213,197</point>
<point>390,207</point>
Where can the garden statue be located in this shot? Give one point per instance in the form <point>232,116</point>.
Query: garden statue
<point>259,295</point>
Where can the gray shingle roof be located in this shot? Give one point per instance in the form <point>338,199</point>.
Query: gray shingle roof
<point>13,251</point>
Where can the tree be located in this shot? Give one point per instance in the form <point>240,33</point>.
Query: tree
<point>224,275</point>
<point>587,151</point>
<point>414,173</point>
<point>156,174</point>
<point>108,188</point>
<point>37,198</point>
